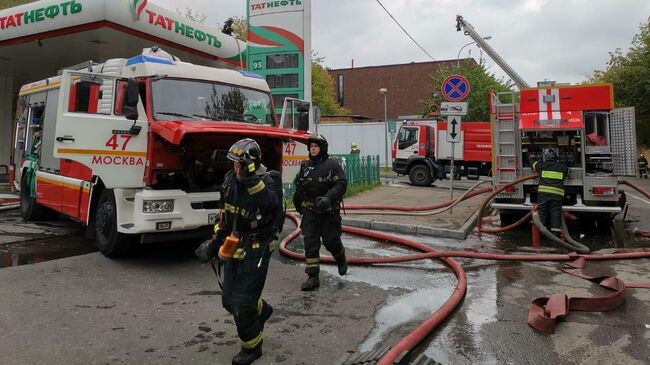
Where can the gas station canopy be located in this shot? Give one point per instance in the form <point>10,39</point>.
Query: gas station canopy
<point>40,38</point>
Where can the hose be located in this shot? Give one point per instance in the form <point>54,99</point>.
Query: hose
<point>575,246</point>
<point>635,187</point>
<point>487,200</point>
<point>424,212</point>
<point>409,342</point>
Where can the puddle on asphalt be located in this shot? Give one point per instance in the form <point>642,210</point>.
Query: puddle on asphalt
<point>32,252</point>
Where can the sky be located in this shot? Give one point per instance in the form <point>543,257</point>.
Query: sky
<point>560,40</point>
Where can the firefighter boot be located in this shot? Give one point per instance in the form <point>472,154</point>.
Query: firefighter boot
<point>342,262</point>
<point>311,283</point>
<point>247,356</point>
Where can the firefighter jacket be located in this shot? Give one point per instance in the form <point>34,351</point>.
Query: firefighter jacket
<point>250,208</point>
<point>317,178</point>
<point>551,177</point>
<point>642,163</point>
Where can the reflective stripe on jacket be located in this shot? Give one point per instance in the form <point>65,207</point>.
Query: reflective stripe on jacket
<point>551,177</point>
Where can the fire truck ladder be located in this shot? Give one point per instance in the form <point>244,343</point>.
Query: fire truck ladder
<point>506,130</point>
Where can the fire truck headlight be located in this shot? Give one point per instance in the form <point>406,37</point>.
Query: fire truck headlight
<point>157,206</point>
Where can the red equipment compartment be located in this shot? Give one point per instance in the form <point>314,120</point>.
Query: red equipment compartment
<point>587,97</point>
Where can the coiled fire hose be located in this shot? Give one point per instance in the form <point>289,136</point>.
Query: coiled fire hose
<point>543,312</point>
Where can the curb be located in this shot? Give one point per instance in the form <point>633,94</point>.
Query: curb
<point>413,229</point>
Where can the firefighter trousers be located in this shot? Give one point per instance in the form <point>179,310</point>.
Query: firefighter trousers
<point>550,211</point>
<point>326,227</point>
<point>243,282</point>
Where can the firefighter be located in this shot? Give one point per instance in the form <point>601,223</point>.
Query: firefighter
<point>354,150</point>
<point>550,191</point>
<point>643,167</point>
<point>244,238</point>
<point>320,185</point>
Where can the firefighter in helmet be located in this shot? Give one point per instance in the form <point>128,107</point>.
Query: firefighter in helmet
<point>354,149</point>
<point>244,238</point>
<point>550,191</point>
<point>643,167</point>
<point>320,185</point>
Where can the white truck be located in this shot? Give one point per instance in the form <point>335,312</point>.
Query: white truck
<point>135,149</point>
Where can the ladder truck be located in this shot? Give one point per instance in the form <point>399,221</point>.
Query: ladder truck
<point>596,141</point>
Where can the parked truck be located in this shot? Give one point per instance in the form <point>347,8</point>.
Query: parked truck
<point>135,149</point>
<point>596,141</point>
<point>422,152</point>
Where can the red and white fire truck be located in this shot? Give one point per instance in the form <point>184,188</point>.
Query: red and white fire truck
<point>422,152</point>
<point>595,140</point>
<point>135,149</point>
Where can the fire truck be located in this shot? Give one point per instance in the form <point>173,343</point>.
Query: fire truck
<point>596,141</point>
<point>422,152</point>
<point>135,149</point>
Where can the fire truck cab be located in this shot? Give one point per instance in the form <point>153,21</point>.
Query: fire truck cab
<point>135,149</point>
<point>596,141</point>
<point>422,152</point>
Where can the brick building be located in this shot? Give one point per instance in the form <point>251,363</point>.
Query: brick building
<point>358,88</point>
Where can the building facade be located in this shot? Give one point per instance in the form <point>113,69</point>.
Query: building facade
<point>358,88</point>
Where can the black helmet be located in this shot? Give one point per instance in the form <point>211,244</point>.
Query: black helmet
<point>320,140</point>
<point>550,154</point>
<point>245,148</point>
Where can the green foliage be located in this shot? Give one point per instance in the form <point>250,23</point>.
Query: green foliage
<point>239,26</point>
<point>630,75</point>
<point>4,4</point>
<point>481,82</point>
<point>322,89</point>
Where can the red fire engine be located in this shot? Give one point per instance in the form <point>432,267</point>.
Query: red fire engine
<point>422,152</point>
<point>594,140</point>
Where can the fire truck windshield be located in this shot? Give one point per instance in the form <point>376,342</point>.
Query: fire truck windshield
<point>175,99</point>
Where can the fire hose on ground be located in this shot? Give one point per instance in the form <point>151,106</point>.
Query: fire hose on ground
<point>543,312</point>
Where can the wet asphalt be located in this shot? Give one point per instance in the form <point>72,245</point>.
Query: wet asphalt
<point>63,302</point>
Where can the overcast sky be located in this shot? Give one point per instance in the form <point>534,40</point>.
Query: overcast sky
<point>561,40</point>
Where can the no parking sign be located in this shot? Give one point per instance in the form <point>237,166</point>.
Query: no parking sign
<point>455,88</point>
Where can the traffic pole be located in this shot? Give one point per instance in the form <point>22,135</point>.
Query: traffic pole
<point>451,175</point>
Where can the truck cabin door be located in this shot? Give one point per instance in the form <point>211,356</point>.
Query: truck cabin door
<point>623,141</point>
<point>92,130</point>
<point>407,142</point>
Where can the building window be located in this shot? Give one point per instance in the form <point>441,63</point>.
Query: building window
<point>282,81</point>
<point>278,99</point>
<point>281,61</point>
<point>339,89</point>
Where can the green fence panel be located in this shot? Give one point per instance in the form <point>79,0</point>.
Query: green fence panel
<point>359,170</point>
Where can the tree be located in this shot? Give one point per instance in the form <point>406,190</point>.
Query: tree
<point>322,89</point>
<point>481,82</point>
<point>239,26</point>
<point>630,75</point>
<point>11,3</point>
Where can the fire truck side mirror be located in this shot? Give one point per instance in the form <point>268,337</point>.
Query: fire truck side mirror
<point>303,116</point>
<point>131,100</point>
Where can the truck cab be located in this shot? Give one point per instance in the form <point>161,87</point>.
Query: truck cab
<point>135,149</point>
<point>422,152</point>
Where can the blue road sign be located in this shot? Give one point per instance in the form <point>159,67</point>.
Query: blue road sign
<point>455,88</point>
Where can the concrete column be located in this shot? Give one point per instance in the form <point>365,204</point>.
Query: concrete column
<point>6,122</point>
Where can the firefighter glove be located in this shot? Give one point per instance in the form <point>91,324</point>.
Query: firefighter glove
<point>323,203</point>
<point>248,167</point>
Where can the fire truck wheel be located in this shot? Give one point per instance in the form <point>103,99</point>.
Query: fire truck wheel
<point>420,175</point>
<point>109,241</point>
<point>30,209</point>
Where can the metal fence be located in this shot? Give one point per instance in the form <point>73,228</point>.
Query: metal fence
<point>359,170</point>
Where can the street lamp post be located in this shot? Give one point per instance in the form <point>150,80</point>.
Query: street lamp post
<point>461,49</point>
<point>383,91</point>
